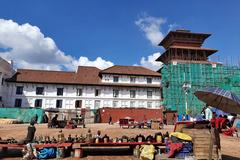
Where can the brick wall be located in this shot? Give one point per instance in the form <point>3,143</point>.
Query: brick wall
<point>138,114</point>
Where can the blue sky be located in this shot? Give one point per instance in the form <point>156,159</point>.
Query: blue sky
<point>118,32</point>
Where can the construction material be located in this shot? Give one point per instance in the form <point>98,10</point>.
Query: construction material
<point>155,124</point>
<point>10,121</point>
<point>203,145</point>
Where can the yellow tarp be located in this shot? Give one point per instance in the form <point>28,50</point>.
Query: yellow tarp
<point>182,136</point>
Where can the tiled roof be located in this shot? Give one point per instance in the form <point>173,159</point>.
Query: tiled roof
<point>130,70</point>
<point>84,75</point>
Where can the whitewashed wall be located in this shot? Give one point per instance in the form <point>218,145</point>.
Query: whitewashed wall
<point>88,96</point>
<point>107,78</point>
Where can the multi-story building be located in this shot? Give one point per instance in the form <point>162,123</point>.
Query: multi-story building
<point>88,87</point>
<point>6,71</point>
<point>186,69</point>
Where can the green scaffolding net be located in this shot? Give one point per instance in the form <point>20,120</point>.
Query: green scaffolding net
<point>22,114</point>
<point>197,76</point>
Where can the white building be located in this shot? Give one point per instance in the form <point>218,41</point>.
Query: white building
<point>6,71</point>
<point>88,87</point>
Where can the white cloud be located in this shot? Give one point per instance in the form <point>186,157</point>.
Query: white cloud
<point>151,26</point>
<point>28,47</point>
<point>98,62</point>
<point>173,26</point>
<point>150,62</point>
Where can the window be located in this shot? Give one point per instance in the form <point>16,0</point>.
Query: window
<point>157,104</point>
<point>149,94</point>
<point>115,79</point>
<point>97,92</point>
<point>59,103</point>
<point>19,90</point>
<point>0,98</point>
<point>59,91</point>
<point>18,102</point>
<point>39,90</point>
<point>132,104</point>
<point>49,103</point>
<point>132,79</point>
<point>97,104</point>
<point>78,104</point>
<point>106,103</point>
<point>141,104</point>
<point>38,103</point>
<point>124,104</point>
<point>88,103</point>
<point>79,92</point>
<point>115,93</point>
<point>115,104</point>
<point>132,94</point>
<point>149,80</point>
<point>149,104</point>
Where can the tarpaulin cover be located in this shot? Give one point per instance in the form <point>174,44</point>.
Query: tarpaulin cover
<point>22,114</point>
<point>182,136</point>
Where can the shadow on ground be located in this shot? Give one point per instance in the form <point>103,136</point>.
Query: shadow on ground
<point>227,157</point>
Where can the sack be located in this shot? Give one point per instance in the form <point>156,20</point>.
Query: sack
<point>46,153</point>
<point>182,136</point>
<point>147,152</point>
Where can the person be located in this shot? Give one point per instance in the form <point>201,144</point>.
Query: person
<point>233,119</point>
<point>45,118</point>
<point>110,119</point>
<point>30,134</point>
<point>218,123</point>
<point>203,112</point>
<point>183,117</point>
<point>54,121</point>
<point>35,118</point>
<point>208,113</point>
<point>165,119</point>
<point>213,120</point>
<point>225,123</point>
<point>214,131</point>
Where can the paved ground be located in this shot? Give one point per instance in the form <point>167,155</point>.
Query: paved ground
<point>230,145</point>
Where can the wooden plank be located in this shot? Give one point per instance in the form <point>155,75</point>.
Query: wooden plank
<point>203,154</point>
<point>195,139</point>
<point>202,136</point>
<point>202,143</point>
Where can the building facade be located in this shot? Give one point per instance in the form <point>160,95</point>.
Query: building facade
<point>6,71</point>
<point>88,87</point>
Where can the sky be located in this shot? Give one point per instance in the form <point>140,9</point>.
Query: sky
<point>62,34</point>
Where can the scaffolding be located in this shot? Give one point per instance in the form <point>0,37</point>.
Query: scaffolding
<point>198,75</point>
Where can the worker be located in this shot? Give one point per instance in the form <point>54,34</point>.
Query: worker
<point>54,121</point>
